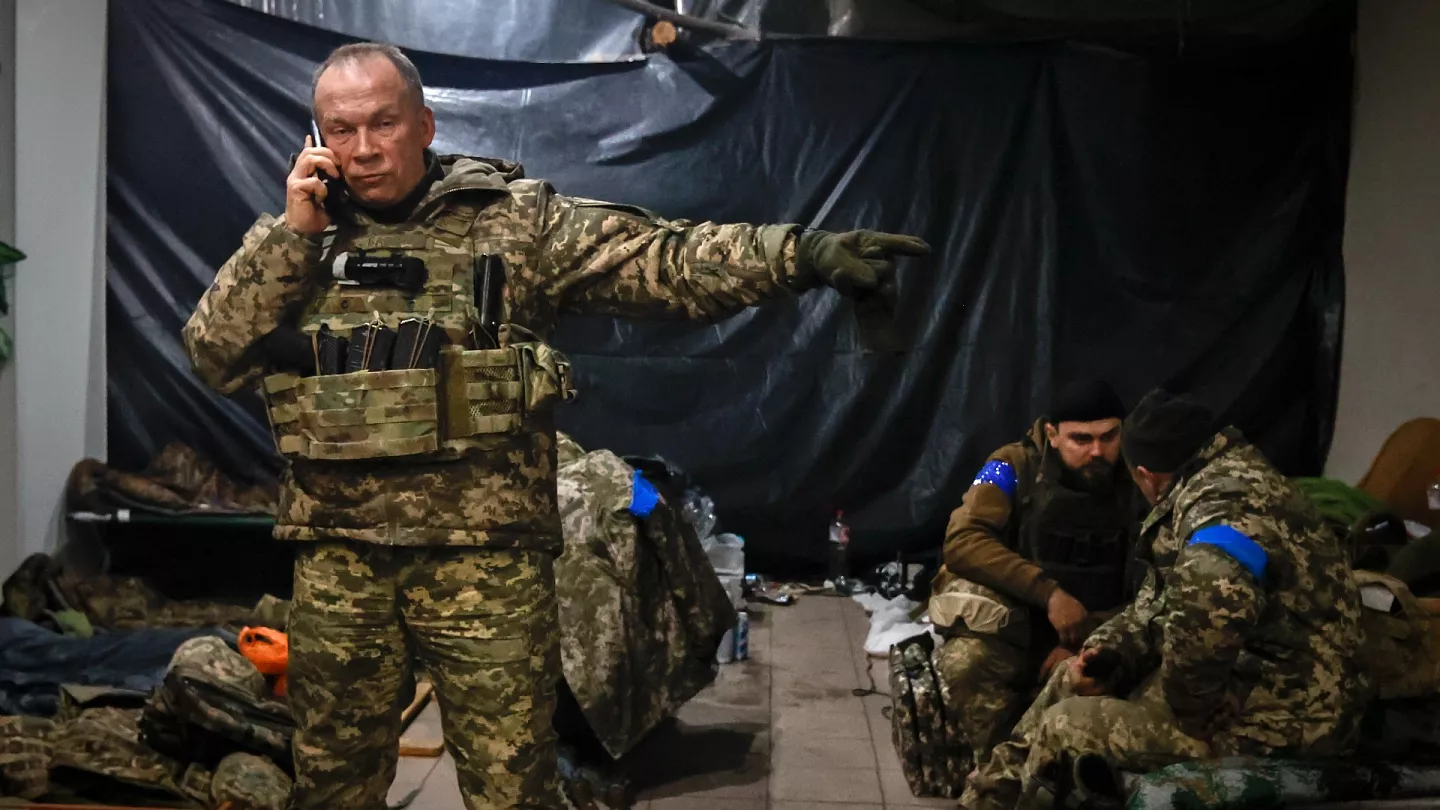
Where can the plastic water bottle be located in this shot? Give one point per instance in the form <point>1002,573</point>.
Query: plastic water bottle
<point>699,511</point>
<point>839,549</point>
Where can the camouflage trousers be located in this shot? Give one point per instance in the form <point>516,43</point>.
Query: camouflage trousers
<point>481,622</point>
<point>988,681</point>
<point>989,662</point>
<point>1139,734</point>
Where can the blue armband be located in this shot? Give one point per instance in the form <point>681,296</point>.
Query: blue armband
<point>1001,474</point>
<point>643,501</point>
<point>1239,547</point>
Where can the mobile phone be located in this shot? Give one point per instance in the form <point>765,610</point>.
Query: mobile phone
<point>334,186</point>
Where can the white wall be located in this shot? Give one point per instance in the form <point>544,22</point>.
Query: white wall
<point>59,365</point>
<point>9,494</point>
<point>1390,371</point>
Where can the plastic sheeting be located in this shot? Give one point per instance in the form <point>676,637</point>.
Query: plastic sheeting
<point>603,31</point>
<point>35,662</point>
<point>1153,219</point>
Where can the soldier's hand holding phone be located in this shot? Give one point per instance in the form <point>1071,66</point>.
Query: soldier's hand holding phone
<point>306,190</point>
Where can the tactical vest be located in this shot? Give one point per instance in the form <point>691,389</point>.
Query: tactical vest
<point>1080,540</point>
<point>491,407</point>
<point>474,398</point>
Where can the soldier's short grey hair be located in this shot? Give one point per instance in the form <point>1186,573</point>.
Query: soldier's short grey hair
<point>360,51</point>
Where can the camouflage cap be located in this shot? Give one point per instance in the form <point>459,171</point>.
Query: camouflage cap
<point>210,659</point>
<point>248,782</point>
<point>272,612</point>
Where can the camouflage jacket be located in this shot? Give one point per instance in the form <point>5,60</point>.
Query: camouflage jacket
<point>641,610</point>
<point>1250,603</point>
<point>563,255</point>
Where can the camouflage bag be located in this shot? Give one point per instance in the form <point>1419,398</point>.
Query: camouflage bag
<point>248,782</point>
<point>933,755</point>
<point>1400,650</point>
<point>25,750</point>
<point>212,703</point>
<point>99,755</point>
<point>26,593</point>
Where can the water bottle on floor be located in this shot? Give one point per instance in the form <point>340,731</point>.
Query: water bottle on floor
<point>840,553</point>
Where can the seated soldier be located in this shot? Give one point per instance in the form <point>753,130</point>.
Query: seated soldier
<point>1036,554</point>
<point>1241,641</point>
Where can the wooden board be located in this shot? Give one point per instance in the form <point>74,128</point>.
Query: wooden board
<point>428,749</point>
<point>409,746</point>
<point>423,691</point>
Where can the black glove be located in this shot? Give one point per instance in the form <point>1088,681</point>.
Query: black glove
<point>857,263</point>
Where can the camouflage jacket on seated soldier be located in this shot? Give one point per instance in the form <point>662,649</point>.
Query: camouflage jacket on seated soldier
<point>487,477</point>
<point>1249,603</point>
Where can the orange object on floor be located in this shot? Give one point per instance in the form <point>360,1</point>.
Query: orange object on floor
<point>269,651</point>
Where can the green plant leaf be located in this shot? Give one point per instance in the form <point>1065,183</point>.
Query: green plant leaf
<point>9,254</point>
<point>5,347</point>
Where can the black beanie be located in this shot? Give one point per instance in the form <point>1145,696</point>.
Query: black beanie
<point>1085,401</point>
<point>1165,431</point>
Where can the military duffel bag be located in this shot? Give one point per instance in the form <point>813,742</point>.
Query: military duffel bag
<point>933,755</point>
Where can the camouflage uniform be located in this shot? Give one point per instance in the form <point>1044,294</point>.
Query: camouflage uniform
<point>641,611</point>
<point>25,754</point>
<point>1258,665</point>
<point>446,560</point>
<point>993,592</point>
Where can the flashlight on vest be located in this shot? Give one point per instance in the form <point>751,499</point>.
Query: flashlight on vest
<point>403,272</point>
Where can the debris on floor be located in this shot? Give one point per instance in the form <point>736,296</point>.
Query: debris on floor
<point>891,622</point>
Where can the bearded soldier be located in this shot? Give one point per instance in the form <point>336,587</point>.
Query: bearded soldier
<point>1036,554</point>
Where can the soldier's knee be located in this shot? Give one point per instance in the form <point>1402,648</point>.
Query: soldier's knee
<point>1074,724</point>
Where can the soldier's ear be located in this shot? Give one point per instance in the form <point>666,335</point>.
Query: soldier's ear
<point>1052,434</point>
<point>427,117</point>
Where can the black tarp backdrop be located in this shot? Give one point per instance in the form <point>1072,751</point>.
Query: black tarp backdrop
<point>1153,217</point>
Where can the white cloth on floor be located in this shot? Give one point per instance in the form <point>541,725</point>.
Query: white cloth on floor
<point>889,622</point>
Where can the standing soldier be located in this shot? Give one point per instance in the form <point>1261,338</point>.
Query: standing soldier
<point>421,480</point>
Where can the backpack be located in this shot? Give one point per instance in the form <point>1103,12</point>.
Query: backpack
<point>213,703</point>
<point>247,782</point>
<point>933,755</point>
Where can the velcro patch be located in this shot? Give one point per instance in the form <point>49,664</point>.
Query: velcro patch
<point>999,473</point>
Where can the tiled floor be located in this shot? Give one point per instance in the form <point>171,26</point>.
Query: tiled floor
<point>782,731</point>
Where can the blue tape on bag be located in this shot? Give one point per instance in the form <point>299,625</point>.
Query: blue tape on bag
<point>646,496</point>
